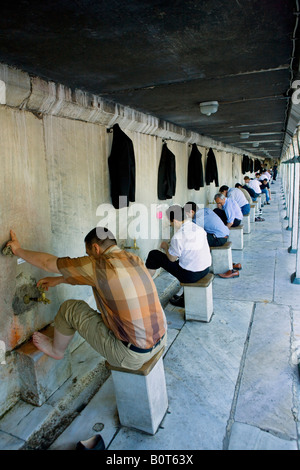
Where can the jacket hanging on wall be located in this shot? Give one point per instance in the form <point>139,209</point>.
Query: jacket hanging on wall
<point>195,169</point>
<point>121,164</point>
<point>257,165</point>
<point>245,164</point>
<point>211,171</point>
<point>166,184</point>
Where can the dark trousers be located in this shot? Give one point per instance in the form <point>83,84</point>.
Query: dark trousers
<point>214,241</point>
<point>222,215</point>
<point>157,259</point>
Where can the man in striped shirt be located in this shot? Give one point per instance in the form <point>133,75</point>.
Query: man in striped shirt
<point>131,327</point>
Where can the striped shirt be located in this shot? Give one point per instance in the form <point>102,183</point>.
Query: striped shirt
<point>124,291</point>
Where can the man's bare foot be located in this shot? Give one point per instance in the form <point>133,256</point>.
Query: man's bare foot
<point>45,344</point>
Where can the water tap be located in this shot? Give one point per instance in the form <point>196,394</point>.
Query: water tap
<point>134,247</point>
<point>42,297</point>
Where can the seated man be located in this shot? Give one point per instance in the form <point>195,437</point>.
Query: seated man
<point>217,233</point>
<point>131,327</point>
<point>266,174</point>
<point>253,188</point>
<point>245,192</point>
<point>265,188</point>
<point>188,257</point>
<point>228,210</point>
<point>238,196</point>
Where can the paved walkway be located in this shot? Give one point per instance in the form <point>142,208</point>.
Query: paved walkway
<point>232,383</point>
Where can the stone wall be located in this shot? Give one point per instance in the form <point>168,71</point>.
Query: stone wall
<point>54,178</point>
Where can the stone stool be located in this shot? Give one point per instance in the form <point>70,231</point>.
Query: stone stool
<point>256,204</point>
<point>141,394</point>
<point>246,223</point>
<point>259,202</point>
<point>198,299</point>
<point>236,237</point>
<point>252,212</point>
<point>221,258</point>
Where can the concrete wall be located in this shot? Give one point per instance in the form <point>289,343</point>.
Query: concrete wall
<point>53,179</point>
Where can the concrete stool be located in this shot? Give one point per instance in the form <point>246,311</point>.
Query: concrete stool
<point>40,375</point>
<point>256,204</point>
<point>246,223</point>
<point>141,394</point>
<point>198,299</point>
<point>259,202</point>
<point>221,258</point>
<point>263,199</point>
<point>236,237</point>
<point>252,213</point>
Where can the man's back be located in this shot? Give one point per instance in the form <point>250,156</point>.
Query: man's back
<point>211,222</point>
<point>124,291</point>
<point>237,195</point>
<point>190,245</point>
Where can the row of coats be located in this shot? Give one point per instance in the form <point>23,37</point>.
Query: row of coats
<point>249,165</point>
<point>166,184</point>
<point>121,165</point>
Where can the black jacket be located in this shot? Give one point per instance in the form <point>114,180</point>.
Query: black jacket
<point>211,171</point>
<point>245,164</point>
<point>166,184</point>
<point>195,169</point>
<point>121,164</point>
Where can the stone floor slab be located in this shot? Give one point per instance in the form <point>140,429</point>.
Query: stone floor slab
<point>245,437</point>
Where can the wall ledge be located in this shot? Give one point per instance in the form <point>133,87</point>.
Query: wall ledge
<point>42,97</point>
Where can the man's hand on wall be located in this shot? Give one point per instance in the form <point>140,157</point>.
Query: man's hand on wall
<point>14,243</point>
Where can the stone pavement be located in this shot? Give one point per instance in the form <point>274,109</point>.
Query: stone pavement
<point>232,383</point>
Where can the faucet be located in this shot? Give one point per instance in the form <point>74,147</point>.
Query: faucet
<point>42,297</point>
<point>134,247</point>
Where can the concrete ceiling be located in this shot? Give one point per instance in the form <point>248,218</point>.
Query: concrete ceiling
<point>165,57</point>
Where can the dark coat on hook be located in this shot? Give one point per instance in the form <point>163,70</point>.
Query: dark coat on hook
<point>166,184</point>
<point>211,171</point>
<point>195,169</point>
<point>121,164</point>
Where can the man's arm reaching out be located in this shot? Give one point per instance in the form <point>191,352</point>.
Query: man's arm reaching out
<point>44,261</point>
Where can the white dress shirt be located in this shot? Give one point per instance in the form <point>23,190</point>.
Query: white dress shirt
<point>189,244</point>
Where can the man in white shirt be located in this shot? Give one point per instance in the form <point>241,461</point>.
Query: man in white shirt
<point>237,195</point>
<point>253,184</point>
<point>188,256</point>
<point>266,174</point>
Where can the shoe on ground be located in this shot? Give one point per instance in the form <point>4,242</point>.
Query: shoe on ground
<point>229,274</point>
<point>237,266</point>
<point>176,297</point>
<point>94,443</point>
<point>259,219</point>
<point>179,302</point>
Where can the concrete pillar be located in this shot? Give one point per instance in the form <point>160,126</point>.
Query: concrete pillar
<point>295,278</point>
<point>290,197</point>
<point>295,212</point>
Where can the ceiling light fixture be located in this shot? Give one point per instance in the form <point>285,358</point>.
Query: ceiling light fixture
<point>209,107</point>
<point>244,135</point>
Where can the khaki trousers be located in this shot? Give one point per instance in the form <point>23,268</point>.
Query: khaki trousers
<point>77,315</point>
